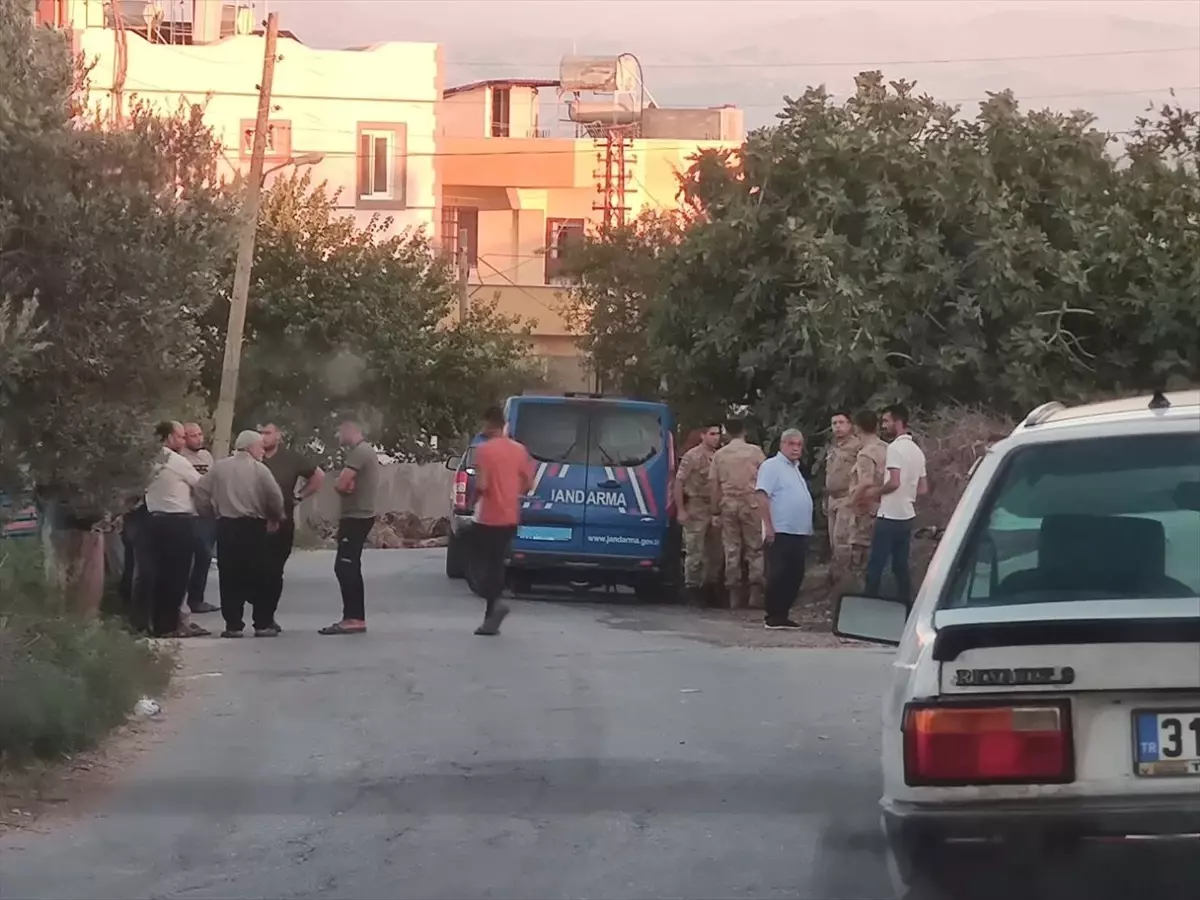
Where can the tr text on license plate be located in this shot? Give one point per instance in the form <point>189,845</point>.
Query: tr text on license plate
<point>1166,742</point>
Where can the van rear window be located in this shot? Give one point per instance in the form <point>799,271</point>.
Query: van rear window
<point>553,432</point>
<point>625,437</point>
<point>597,435</point>
<point>1087,520</point>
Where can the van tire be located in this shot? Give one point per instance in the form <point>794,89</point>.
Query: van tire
<point>456,561</point>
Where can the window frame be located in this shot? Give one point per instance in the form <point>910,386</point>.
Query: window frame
<point>452,224</point>
<point>396,197</point>
<point>555,226</point>
<point>279,139</point>
<point>500,126</point>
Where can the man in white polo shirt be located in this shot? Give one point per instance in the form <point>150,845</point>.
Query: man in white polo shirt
<point>904,482</point>
<point>172,512</point>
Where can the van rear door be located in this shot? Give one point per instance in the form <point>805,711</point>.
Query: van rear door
<point>627,476</point>
<point>555,432</point>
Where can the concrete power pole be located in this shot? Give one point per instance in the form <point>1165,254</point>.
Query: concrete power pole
<point>245,256</point>
<point>464,274</point>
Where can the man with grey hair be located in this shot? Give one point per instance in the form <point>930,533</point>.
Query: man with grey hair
<point>787,521</point>
<point>241,492</point>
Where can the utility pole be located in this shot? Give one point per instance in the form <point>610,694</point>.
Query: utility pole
<point>245,255</point>
<point>464,273</point>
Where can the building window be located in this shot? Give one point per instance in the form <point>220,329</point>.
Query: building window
<point>279,140</point>
<point>561,236</point>
<point>454,220</point>
<point>501,111</point>
<point>382,170</point>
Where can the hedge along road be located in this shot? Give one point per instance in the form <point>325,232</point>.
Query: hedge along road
<point>565,758</point>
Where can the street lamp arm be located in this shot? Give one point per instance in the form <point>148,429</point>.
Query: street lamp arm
<point>304,159</point>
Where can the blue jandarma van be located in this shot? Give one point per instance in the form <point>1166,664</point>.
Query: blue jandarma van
<point>600,511</point>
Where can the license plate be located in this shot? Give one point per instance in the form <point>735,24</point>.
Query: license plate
<point>1167,742</point>
<point>543,533</point>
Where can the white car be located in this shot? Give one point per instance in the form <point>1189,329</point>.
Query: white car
<point>1041,732</point>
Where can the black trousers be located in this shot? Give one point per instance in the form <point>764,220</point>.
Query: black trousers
<point>351,537</point>
<point>170,538</point>
<point>134,525</point>
<point>488,552</point>
<point>242,574</point>
<point>785,573</point>
<point>205,530</point>
<point>279,548</point>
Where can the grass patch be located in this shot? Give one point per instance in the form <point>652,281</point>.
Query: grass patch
<point>66,680</point>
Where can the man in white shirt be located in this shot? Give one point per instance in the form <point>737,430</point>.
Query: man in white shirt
<point>904,482</point>
<point>172,512</point>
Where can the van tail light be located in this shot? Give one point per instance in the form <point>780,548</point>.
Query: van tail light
<point>460,490</point>
<point>988,744</point>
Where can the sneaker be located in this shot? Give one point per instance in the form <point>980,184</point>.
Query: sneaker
<point>229,633</point>
<point>202,608</point>
<point>277,627</point>
<point>785,624</point>
<point>265,632</point>
<point>491,625</point>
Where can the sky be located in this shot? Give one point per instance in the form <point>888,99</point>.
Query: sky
<point>753,52</point>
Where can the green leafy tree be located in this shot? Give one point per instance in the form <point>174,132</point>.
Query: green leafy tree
<point>886,248</point>
<point>119,232</point>
<point>344,318</point>
<point>617,279</point>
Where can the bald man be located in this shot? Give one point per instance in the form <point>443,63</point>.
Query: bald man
<point>241,492</point>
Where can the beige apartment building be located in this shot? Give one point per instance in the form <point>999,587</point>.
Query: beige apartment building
<point>528,165</point>
<point>364,119</point>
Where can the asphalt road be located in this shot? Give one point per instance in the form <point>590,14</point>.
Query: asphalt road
<point>587,752</point>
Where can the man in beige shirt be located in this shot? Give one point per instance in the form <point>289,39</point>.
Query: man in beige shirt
<point>245,498</point>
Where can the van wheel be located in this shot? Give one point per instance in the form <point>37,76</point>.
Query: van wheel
<point>456,562</point>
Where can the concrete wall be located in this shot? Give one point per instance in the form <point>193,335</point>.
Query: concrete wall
<point>424,490</point>
<point>322,97</point>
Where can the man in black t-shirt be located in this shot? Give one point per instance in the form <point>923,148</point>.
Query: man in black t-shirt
<point>298,477</point>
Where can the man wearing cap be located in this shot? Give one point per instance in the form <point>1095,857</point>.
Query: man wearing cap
<point>243,495</point>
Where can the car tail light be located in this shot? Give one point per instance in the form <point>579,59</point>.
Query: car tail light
<point>460,490</point>
<point>988,744</point>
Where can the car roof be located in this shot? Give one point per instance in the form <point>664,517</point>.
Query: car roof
<point>564,399</point>
<point>1125,411</point>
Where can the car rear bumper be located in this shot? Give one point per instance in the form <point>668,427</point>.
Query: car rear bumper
<point>999,838</point>
<point>581,566</point>
<point>1079,819</point>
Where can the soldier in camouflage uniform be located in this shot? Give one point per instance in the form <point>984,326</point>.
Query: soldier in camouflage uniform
<point>839,463</point>
<point>855,522</point>
<point>693,502</point>
<point>733,477</point>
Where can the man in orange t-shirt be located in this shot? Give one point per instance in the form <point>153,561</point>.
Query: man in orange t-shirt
<point>503,475</point>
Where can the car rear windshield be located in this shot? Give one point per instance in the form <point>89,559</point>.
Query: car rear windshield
<point>1116,519</point>
<point>592,434</point>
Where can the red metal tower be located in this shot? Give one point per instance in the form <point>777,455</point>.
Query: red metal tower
<point>612,180</point>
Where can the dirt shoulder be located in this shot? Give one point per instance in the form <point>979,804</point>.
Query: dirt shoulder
<point>33,799</point>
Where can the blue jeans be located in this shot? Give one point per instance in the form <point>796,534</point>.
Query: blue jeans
<point>891,540</point>
<point>205,539</point>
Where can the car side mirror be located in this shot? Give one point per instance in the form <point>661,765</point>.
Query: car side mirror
<point>878,620</point>
<point>452,463</point>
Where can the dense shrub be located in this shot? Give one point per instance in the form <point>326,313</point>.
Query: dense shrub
<point>65,680</point>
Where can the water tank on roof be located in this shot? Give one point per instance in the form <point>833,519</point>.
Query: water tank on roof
<point>603,112</point>
<point>600,74</point>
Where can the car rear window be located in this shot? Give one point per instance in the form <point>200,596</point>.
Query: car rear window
<point>625,437</point>
<point>1117,519</point>
<point>553,432</point>
<point>593,434</point>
